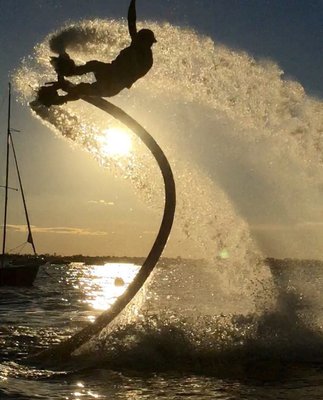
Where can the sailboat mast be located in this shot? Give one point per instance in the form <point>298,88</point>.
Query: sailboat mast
<point>30,236</point>
<point>7,180</point>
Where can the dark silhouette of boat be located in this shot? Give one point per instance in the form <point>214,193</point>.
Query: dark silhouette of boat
<point>16,270</point>
<point>24,274</point>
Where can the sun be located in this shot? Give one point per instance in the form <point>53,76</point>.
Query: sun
<point>115,142</point>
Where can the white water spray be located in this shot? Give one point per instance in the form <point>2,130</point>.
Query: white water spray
<point>202,102</point>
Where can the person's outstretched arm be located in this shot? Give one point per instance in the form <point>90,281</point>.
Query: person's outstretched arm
<point>132,17</point>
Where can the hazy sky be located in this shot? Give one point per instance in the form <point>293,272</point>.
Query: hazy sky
<point>75,205</point>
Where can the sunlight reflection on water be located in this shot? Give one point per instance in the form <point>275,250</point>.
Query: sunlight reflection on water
<point>103,284</point>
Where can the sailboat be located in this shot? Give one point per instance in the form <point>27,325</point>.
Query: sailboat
<point>16,270</point>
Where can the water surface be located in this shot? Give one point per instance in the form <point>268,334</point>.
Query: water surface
<point>152,354</point>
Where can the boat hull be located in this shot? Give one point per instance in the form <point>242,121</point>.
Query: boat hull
<point>19,275</point>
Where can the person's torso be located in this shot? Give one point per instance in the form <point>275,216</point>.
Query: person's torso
<point>131,64</point>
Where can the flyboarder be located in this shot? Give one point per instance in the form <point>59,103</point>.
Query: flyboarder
<point>130,65</point>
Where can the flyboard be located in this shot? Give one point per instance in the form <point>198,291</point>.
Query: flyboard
<point>64,350</point>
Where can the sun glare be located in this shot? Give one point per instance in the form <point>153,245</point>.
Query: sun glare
<point>107,283</point>
<point>115,142</point>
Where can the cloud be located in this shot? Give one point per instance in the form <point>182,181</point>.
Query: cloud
<point>101,202</point>
<point>58,230</point>
<point>310,224</point>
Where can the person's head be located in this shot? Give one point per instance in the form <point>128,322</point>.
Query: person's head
<point>145,37</point>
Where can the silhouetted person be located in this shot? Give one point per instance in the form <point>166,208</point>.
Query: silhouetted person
<point>130,65</point>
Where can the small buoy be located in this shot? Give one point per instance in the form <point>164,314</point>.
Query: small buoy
<point>118,282</point>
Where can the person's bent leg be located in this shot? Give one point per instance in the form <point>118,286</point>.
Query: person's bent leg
<point>90,66</point>
<point>48,96</point>
<point>63,64</point>
<point>82,89</point>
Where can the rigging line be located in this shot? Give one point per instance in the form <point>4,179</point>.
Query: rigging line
<point>30,236</point>
<point>20,247</point>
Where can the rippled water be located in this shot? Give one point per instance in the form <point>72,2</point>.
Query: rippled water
<point>151,357</point>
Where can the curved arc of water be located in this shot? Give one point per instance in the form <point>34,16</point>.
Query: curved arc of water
<point>63,350</point>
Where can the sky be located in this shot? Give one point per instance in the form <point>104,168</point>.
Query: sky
<point>76,206</point>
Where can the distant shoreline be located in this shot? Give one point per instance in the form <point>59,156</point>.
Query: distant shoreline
<point>88,260</point>
<point>55,259</point>
<point>91,260</point>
